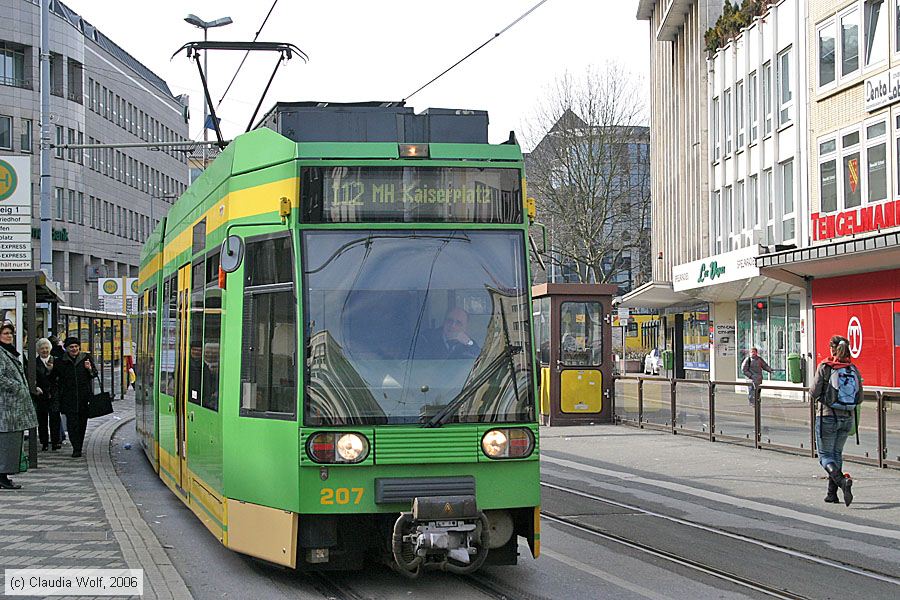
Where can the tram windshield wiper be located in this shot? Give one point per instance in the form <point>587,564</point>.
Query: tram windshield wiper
<point>505,358</point>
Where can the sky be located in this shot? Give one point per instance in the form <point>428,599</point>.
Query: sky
<point>381,50</point>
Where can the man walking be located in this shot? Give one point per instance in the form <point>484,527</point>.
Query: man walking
<point>74,374</point>
<point>753,368</point>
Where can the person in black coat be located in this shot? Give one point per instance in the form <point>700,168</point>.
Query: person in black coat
<point>45,398</point>
<point>74,374</point>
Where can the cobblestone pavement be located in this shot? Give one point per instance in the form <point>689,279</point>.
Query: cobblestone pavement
<point>75,513</point>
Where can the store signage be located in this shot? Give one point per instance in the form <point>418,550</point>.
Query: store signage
<point>15,213</point>
<point>722,268</point>
<point>883,89</point>
<point>855,337</point>
<point>874,217</point>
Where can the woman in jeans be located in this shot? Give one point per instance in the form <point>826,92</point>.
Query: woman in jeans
<point>833,425</point>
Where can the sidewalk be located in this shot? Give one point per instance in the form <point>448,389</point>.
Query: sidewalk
<point>76,513</point>
<point>735,474</point>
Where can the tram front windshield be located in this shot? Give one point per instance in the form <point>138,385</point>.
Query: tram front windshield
<point>424,327</point>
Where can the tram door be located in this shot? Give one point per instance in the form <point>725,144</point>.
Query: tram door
<point>182,357</point>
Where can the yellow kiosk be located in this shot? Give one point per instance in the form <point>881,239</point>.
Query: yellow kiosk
<point>573,334</point>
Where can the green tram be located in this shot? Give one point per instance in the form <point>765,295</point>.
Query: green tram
<point>335,351</point>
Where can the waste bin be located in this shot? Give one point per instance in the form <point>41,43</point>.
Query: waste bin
<point>668,360</point>
<point>793,366</point>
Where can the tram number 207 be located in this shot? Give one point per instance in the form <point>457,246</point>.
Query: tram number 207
<point>341,495</point>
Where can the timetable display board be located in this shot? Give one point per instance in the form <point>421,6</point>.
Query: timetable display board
<point>15,213</point>
<point>344,194</point>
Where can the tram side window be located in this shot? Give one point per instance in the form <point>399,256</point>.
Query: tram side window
<point>167,368</point>
<point>269,357</point>
<point>195,358</point>
<point>212,326</point>
<point>150,346</point>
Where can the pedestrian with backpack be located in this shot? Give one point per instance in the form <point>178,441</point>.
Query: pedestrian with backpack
<point>837,387</point>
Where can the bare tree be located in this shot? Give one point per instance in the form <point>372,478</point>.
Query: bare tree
<point>589,172</point>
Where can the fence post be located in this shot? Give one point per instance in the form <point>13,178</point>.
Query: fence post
<point>757,416</point>
<point>882,428</point>
<point>812,427</point>
<point>641,403</point>
<point>712,411</point>
<point>672,398</point>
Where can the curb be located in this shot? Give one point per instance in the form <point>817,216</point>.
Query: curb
<point>139,544</point>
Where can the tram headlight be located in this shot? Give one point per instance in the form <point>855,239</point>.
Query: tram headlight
<point>515,442</point>
<point>329,447</point>
<point>351,447</point>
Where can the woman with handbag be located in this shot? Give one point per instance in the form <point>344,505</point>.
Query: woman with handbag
<point>47,404</point>
<point>74,374</point>
<point>16,408</point>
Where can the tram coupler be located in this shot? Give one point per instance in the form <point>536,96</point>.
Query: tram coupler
<point>446,533</point>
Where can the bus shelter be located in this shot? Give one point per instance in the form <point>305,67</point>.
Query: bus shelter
<point>573,333</point>
<point>34,298</point>
<point>107,336</point>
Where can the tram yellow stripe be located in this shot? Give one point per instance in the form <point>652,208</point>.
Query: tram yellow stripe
<point>239,204</point>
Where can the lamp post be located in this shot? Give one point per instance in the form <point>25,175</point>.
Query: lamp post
<point>205,26</point>
<point>163,197</point>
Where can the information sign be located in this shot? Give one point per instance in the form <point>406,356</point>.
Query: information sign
<point>15,213</point>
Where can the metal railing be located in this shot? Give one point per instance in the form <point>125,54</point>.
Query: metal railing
<point>776,417</point>
<point>16,82</point>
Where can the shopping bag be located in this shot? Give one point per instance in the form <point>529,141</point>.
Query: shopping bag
<point>23,461</point>
<point>100,403</point>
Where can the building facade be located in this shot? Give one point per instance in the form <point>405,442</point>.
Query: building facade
<point>105,201</point>
<point>854,185</point>
<point>679,174</point>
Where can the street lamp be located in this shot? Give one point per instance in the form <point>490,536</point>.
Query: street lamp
<point>163,197</point>
<point>205,26</point>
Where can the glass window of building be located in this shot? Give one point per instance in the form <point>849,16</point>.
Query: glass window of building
<point>60,140</point>
<point>826,55</point>
<point>849,42</point>
<point>71,207</point>
<point>58,201</point>
<point>715,129</point>
<point>739,113</point>
<point>716,224</point>
<point>27,139</point>
<point>850,178</point>
<point>876,161</point>
<point>772,326</point>
<point>875,24</point>
<point>738,213</point>
<point>787,200</point>
<point>769,187</point>
<point>726,217</point>
<point>5,132</point>
<point>726,107</point>
<point>828,183</point>
<point>12,65</point>
<point>753,201</point>
<point>767,96</point>
<point>785,95</point>
<point>753,117</point>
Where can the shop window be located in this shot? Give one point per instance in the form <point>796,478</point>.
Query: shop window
<point>777,355</point>
<point>760,326</point>
<point>785,93</point>
<point>793,313</point>
<point>753,117</point>
<point>850,173</point>
<point>828,183</point>
<point>875,24</point>
<point>744,334</point>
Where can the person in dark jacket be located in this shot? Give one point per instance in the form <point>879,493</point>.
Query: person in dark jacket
<point>74,374</point>
<point>752,368</point>
<point>45,398</point>
<point>834,425</point>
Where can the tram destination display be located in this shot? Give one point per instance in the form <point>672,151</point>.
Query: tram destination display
<point>411,195</point>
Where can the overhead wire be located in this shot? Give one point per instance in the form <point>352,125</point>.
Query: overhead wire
<point>246,54</point>
<point>491,39</point>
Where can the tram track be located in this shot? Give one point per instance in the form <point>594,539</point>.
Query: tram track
<point>698,565</point>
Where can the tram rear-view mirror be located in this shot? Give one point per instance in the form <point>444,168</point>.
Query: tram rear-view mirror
<point>232,253</point>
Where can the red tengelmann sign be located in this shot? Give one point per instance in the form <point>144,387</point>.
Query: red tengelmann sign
<point>874,217</point>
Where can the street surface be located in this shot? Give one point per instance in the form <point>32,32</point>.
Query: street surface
<point>620,465</point>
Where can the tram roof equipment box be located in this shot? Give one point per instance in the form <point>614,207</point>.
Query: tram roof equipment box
<point>375,122</point>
